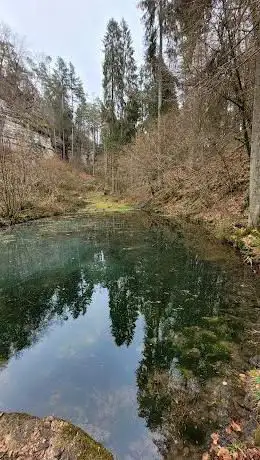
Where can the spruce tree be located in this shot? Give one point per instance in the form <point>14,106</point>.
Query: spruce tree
<point>121,107</point>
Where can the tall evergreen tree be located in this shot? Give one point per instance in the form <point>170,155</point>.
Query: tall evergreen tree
<point>120,110</point>
<point>113,77</point>
<point>130,113</point>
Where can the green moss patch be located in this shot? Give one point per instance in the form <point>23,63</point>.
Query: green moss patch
<point>101,203</point>
<point>87,448</point>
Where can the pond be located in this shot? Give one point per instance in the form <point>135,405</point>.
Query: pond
<point>128,328</point>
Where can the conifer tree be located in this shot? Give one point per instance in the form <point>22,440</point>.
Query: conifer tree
<point>121,108</point>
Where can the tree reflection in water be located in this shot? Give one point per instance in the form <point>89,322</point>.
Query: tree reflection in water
<point>197,320</point>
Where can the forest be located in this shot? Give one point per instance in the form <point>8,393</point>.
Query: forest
<point>178,133</point>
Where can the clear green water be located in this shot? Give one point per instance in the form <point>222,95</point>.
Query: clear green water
<point>126,328</point>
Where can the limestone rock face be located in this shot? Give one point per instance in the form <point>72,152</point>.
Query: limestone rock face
<point>23,437</point>
<point>17,133</point>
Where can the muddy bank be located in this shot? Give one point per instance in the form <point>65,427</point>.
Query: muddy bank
<point>23,437</point>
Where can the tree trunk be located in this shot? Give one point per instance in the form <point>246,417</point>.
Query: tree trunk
<point>238,86</point>
<point>160,59</point>
<point>112,173</point>
<point>254,189</point>
<point>106,164</point>
<point>72,127</point>
<point>72,141</point>
<point>63,134</point>
<point>54,139</point>
<point>160,84</point>
<point>94,151</point>
<point>63,145</point>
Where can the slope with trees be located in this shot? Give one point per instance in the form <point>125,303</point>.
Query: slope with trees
<point>45,116</point>
<point>198,128</point>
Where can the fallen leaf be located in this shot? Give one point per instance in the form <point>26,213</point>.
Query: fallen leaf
<point>224,454</point>
<point>205,456</point>
<point>228,430</point>
<point>215,438</point>
<point>235,426</point>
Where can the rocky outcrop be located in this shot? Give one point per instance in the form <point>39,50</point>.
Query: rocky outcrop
<point>16,132</point>
<point>23,437</point>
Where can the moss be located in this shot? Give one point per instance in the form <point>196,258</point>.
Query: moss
<point>193,353</point>
<point>187,373</point>
<point>98,202</point>
<point>87,448</point>
<point>222,350</point>
<point>212,320</point>
<point>207,336</point>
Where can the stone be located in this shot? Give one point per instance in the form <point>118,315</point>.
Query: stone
<point>25,437</point>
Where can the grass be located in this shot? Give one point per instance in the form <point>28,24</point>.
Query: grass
<point>101,203</point>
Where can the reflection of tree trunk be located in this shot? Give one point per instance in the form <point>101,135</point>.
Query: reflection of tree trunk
<point>254,190</point>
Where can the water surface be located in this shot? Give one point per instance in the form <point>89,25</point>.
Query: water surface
<point>128,329</point>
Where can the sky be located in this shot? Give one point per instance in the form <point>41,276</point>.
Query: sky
<point>72,29</point>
